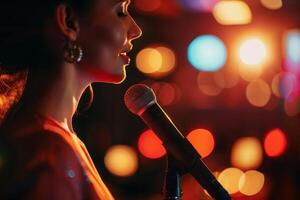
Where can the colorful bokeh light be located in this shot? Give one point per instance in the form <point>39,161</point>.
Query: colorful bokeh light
<point>156,61</point>
<point>247,153</point>
<point>229,179</point>
<point>207,53</point>
<point>292,51</point>
<point>272,4</point>
<point>275,143</point>
<point>150,145</point>
<point>149,60</point>
<point>251,182</point>
<point>258,93</point>
<point>288,84</point>
<point>253,51</point>
<point>202,140</point>
<point>121,160</point>
<point>232,13</point>
<point>198,5</point>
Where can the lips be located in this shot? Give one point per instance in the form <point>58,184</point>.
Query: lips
<point>125,57</point>
<point>124,52</point>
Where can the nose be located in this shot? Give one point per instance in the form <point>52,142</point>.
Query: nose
<point>134,31</point>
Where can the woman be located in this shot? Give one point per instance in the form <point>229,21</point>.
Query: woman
<point>58,47</point>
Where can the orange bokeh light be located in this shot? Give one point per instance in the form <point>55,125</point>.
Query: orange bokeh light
<point>121,160</point>
<point>202,140</point>
<point>247,153</point>
<point>275,143</point>
<point>150,145</point>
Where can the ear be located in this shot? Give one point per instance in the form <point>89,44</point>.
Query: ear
<point>67,21</point>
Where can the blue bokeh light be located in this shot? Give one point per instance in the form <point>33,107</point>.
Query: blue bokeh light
<point>198,5</point>
<point>292,43</point>
<point>207,53</point>
<point>293,46</point>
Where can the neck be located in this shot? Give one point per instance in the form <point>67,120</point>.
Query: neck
<point>54,94</point>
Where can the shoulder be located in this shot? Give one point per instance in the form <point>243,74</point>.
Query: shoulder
<point>43,159</point>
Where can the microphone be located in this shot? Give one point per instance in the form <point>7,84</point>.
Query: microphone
<point>141,101</point>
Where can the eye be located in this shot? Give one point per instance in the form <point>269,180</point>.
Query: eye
<point>122,11</point>
<point>122,14</point>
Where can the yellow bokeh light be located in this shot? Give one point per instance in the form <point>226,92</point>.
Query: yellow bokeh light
<point>258,93</point>
<point>247,153</point>
<point>251,182</point>
<point>168,61</point>
<point>149,60</point>
<point>230,178</point>
<point>272,4</point>
<point>232,13</point>
<point>156,62</point>
<point>253,52</point>
<point>276,84</point>
<point>121,160</point>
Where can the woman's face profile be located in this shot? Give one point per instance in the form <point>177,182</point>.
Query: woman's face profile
<point>105,33</point>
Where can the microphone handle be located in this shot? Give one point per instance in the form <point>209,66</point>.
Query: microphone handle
<point>182,150</point>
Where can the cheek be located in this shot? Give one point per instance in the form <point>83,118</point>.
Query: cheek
<point>102,43</point>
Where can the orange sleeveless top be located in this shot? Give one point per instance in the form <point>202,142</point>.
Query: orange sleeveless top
<point>53,163</point>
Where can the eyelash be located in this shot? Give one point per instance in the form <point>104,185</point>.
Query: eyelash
<point>123,13</point>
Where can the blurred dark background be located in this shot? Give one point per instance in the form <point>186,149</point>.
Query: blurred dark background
<point>251,110</point>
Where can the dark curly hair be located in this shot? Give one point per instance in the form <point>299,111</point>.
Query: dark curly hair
<point>23,46</point>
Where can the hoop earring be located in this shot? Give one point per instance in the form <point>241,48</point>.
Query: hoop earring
<point>73,52</point>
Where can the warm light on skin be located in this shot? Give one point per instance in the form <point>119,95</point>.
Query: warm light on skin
<point>258,93</point>
<point>202,140</point>
<point>247,153</point>
<point>251,182</point>
<point>253,51</point>
<point>229,179</point>
<point>150,145</point>
<point>275,143</point>
<point>272,4</point>
<point>121,160</point>
<point>232,13</point>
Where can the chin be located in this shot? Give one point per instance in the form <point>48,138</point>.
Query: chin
<point>105,77</point>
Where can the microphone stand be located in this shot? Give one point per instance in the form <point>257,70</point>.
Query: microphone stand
<point>172,183</point>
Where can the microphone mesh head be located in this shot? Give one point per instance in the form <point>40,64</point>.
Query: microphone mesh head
<point>138,98</point>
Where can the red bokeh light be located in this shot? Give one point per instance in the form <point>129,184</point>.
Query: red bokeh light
<point>202,140</point>
<point>275,143</point>
<point>150,145</point>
